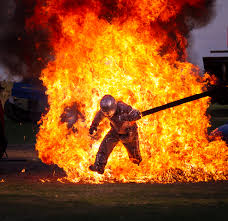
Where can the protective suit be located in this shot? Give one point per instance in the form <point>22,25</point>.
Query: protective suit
<point>122,119</point>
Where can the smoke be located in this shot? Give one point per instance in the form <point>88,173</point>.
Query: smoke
<point>23,53</point>
<point>171,18</point>
<point>6,76</point>
<point>17,52</point>
<point>199,17</point>
<point>190,17</point>
<point>9,61</point>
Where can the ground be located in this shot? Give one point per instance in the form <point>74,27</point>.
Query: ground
<point>23,195</point>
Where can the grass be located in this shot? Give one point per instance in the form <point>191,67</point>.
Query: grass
<point>55,201</point>
<point>20,132</point>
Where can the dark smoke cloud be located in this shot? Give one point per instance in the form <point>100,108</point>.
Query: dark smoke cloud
<point>7,31</point>
<point>188,19</point>
<point>18,57</point>
<point>25,54</point>
<point>199,17</point>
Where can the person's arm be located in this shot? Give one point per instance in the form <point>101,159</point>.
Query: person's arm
<point>133,115</point>
<point>129,113</point>
<point>97,119</point>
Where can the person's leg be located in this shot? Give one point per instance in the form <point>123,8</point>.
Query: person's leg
<point>105,149</point>
<point>133,149</point>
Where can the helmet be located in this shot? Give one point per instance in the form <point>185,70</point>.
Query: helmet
<point>108,105</point>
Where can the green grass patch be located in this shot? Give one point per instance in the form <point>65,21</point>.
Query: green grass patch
<point>20,132</point>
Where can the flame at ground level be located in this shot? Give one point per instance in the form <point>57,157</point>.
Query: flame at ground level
<point>94,58</point>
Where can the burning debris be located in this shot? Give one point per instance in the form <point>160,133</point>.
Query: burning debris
<point>135,51</point>
<point>71,115</point>
<point>23,170</point>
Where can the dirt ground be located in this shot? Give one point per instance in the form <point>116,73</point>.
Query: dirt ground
<point>23,163</point>
<point>24,197</point>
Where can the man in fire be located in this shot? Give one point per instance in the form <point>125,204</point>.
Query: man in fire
<point>122,119</point>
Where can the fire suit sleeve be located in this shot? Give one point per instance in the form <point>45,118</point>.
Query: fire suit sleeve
<point>128,113</point>
<point>133,115</point>
<point>97,119</point>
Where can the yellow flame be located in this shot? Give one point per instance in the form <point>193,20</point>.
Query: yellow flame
<point>94,57</point>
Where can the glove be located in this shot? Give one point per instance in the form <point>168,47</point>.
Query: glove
<point>136,115</point>
<point>92,129</point>
<point>132,116</point>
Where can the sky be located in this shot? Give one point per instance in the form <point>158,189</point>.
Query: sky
<point>210,37</point>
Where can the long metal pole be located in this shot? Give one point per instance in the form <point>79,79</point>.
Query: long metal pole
<point>181,101</point>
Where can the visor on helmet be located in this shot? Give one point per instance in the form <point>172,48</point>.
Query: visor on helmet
<point>108,105</point>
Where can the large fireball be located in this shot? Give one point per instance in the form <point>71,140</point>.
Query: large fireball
<point>97,54</point>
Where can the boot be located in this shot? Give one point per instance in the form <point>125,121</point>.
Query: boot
<point>96,168</point>
<point>136,161</point>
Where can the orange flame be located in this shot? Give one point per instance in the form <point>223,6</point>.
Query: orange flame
<point>23,170</point>
<point>45,180</point>
<point>94,57</point>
